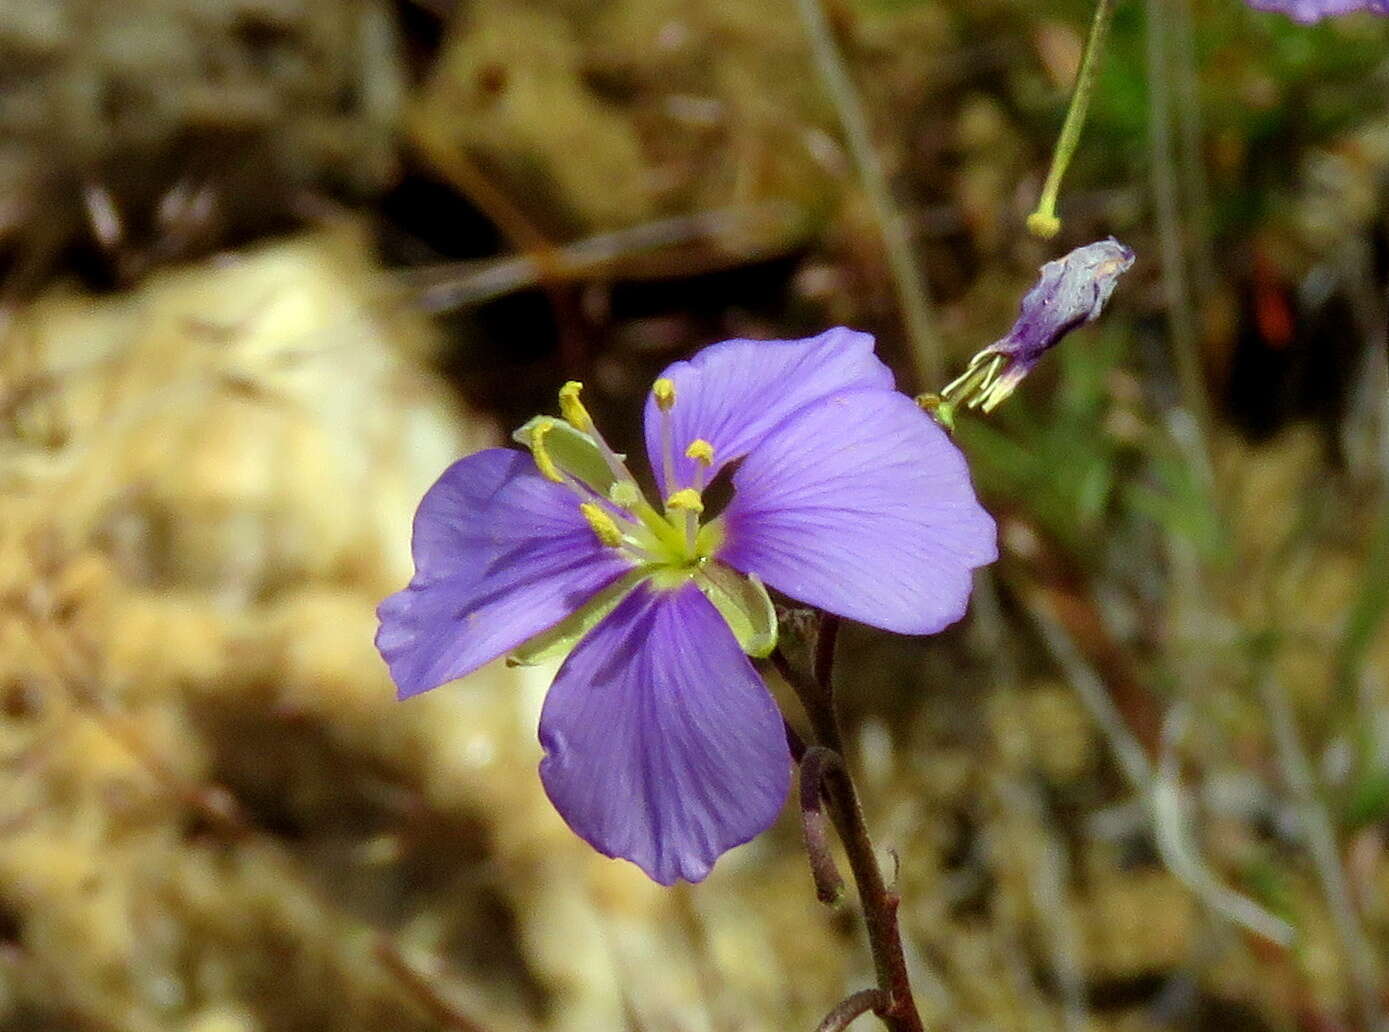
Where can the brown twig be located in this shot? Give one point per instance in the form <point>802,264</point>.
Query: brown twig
<point>425,992</point>
<point>659,249</point>
<point>518,228</point>
<point>794,741</point>
<point>852,1007</point>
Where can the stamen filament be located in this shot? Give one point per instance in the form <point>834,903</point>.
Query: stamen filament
<point>970,386</point>
<point>545,463</point>
<point>667,452</point>
<point>615,464</point>
<point>663,390</point>
<point>577,416</point>
<point>638,551</point>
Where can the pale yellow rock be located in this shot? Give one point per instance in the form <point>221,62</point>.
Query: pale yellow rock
<point>1137,922</point>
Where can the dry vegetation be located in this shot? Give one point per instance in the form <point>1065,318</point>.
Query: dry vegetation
<point>1160,744</point>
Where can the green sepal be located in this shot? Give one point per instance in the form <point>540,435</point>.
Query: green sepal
<point>745,605</point>
<point>563,636</point>
<point>573,451</point>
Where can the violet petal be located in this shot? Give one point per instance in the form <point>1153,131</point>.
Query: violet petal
<point>662,744</point>
<point>501,554</point>
<point>1309,11</point>
<point>1070,292</point>
<point>862,505</point>
<point>731,394</point>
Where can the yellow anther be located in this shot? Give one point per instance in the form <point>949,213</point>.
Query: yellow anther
<point>624,493</point>
<point>602,524</point>
<point>543,462</point>
<point>572,408</point>
<point>685,500</point>
<point>700,451</point>
<point>663,390</point>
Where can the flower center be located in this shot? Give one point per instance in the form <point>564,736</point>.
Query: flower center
<point>667,547</point>
<point>670,541</point>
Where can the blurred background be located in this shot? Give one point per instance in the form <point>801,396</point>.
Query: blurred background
<point>267,266</point>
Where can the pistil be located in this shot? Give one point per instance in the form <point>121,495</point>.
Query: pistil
<point>688,502</point>
<point>668,540</point>
<point>663,390</point>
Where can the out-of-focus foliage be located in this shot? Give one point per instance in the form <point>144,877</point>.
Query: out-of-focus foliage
<point>176,125</point>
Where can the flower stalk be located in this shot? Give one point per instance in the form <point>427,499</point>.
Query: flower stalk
<point>1044,222</point>
<point>892,1001</point>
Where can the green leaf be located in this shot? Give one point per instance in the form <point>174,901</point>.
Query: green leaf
<point>1367,612</point>
<point>563,636</point>
<point>1369,799</point>
<point>744,604</point>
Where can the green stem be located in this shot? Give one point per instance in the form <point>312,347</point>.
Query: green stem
<point>1043,222</point>
<point>1176,285</point>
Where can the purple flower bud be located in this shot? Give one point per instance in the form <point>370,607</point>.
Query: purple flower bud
<point>1071,292</point>
<point>1308,11</point>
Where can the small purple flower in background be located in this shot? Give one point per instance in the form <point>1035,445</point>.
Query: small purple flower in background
<point>662,743</point>
<point>1309,11</point>
<point>1071,292</point>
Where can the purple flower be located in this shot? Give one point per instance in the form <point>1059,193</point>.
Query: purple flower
<point>662,743</point>
<point>1308,11</point>
<point>1071,292</point>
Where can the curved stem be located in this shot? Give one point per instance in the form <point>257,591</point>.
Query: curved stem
<point>1043,222</point>
<point>858,1004</point>
<point>829,883</point>
<point>898,1010</point>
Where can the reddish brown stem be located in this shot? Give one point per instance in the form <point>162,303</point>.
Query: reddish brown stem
<point>860,1003</point>
<point>794,742</point>
<point>822,668</point>
<point>829,884</point>
<point>898,1010</point>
